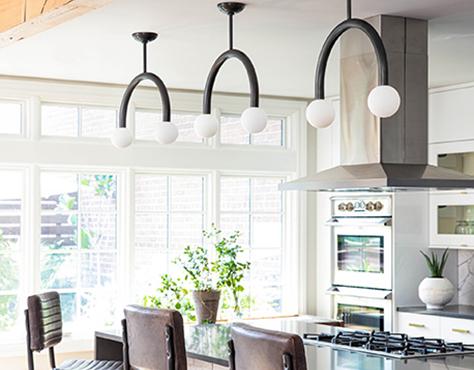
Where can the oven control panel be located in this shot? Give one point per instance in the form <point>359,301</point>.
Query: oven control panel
<point>362,206</point>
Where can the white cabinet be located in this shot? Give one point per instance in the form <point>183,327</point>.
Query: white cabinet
<point>416,325</point>
<point>430,326</point>
<point>457,330</point>
<point>452,212</point>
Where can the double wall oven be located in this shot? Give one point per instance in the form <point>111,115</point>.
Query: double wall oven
<point>362,260</point>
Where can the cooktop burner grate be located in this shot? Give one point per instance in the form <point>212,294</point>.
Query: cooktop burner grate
<point>383,343</point>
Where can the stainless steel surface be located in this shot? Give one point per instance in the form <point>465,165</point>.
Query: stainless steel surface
<point>380,177</point>
<point>385,354</point>
<point>392,155</point>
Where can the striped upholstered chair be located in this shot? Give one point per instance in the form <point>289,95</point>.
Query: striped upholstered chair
<point>44,331</point>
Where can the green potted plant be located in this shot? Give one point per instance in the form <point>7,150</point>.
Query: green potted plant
<point>171,293</point>
<point>436,291</point>
<point>209,276</point>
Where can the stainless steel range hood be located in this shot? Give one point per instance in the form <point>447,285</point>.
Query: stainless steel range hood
<point>391,155</point>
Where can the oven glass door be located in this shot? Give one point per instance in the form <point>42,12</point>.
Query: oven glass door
<point>361,317</point>
<point>362,256</point>
<point>360,253</point>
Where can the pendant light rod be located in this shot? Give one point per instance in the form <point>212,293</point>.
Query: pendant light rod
<point>349,9</point>
<point>231,31</point>
<point>145,38</point>
<point>230,9</point>
<point>342,27</point>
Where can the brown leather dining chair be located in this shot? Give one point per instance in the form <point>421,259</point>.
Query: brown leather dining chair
<point>44,331</point>
<point>260,349</point>
<point>153,339</point>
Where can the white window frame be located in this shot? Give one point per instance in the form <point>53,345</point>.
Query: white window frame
<point>35,153</point>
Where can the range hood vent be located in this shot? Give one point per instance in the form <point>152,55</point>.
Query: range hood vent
<point>388,154</point>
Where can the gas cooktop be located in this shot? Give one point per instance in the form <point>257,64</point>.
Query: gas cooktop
<point>386,344</point>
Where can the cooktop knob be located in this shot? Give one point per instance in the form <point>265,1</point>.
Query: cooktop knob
<point>378,206</point>
<point>370,206</point>
<point>341,207</point>
<point>349,206</point>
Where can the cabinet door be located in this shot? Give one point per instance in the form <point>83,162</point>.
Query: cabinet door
<point>452,219</point>
<point>416,325</point>
<point>457,330</point>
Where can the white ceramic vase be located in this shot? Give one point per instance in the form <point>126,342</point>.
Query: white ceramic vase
<point>436,292</point>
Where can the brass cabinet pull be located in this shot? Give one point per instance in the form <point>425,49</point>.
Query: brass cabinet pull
<point>462,331</point>
<point>414,325</point>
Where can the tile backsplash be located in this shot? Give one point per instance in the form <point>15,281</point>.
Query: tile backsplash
<point>466,277</point>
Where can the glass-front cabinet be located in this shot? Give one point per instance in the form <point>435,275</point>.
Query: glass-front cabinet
<point>452,212</point>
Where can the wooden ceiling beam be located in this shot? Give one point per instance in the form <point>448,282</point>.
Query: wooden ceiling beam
<point>23,18</point>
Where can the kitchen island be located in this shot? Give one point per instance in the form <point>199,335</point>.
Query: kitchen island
<point>208,344</point>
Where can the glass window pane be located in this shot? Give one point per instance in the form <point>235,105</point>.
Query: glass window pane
<point>272,135</point>
<point>11,113</point>
<point>59,270</point>
<point>98,122</point>
<point>59,231</point>
<point>145,125</point>
<point>11,195</point>
<point>187,193</point>
<point>151,231</point>
<point>232,131</point>
<point>266,197</point>
<point>185,229</point>
<point>235,194</point>
<point>57,120</point>
<point>151,193</point>
<point>253,205</point>
<point>79,243</point>
<point>266,231</point>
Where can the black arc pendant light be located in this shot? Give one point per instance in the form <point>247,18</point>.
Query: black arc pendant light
<point>254,118</point>
<point>167,132</point>
<point>383,101</point>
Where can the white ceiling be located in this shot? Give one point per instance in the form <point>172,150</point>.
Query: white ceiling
<point>282,37</point>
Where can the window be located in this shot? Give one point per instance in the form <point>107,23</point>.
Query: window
<point>232,132</point>
<point>100,225</point>
<point>78,245</point>
<point>73,121</point>
<point>146,120</point>
<point>12,117</point>
<point>254,206</point>
<point>11,193</point>
<point>169,215</point>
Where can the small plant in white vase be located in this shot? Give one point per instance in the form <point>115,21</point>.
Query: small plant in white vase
<point>436,291</point>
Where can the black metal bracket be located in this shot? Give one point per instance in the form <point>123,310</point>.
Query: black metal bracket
<point>231,347</point>
<point>231,8</point>
<point>145,38</point>
<point>334,35</point>
<point>126,359</point>
<point>169,347</point>
<point>287,361</point>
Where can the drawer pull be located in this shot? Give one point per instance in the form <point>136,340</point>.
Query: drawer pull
<point>462,331</point>
<point>414,325</point>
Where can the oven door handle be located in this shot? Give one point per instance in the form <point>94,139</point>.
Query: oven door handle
<point>360,293</point>
<point>335,221</point>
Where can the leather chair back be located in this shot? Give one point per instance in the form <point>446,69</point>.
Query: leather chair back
<point>44,321</point>
<point>254,348</point>
<point>154,339</point>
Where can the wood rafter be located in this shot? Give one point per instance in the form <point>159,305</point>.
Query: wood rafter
<point>22,18</point>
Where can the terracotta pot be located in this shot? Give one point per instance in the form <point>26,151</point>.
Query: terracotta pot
<point>436,292</point>
<point>207,305</point>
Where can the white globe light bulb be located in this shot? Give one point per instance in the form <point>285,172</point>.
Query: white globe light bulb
<point>166,133</point>
<point>206,125</point>
<point>320,113</point>
<point>121,137</point>
<point>254,120</point>
<point>383,101</point>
